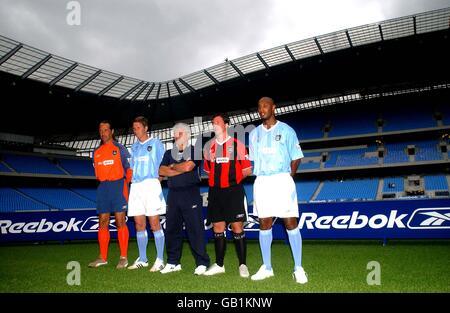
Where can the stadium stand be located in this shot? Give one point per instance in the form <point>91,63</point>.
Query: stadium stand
<point>31,164</point>
<point>12,200</point>
<point>400,118</point>
<point>395,153</point>
<point>427,151</point>
<point>4,168</point>
<point>355,157</point>
<point>58,198</point>
<point>435,182</point>
<point>77,167</point>
<point>306,189</point>
<point>248,188</point>
<point>309,165</point>
<point>307,126</point>
<point>445,110</point>
<point>349,190</point>
<point>393,184</point>
<point>311,160</point>
<point>353,124</point>
<point>88,193</point>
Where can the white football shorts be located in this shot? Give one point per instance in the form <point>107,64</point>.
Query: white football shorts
<point>146,198</point>
<point>275,196</point>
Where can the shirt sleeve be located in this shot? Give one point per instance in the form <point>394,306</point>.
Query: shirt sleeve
<point>166,159</point>
<point>206,163</point>
<point>207,157</point>
<point>131,158</point>
<point>243,156</point>
<point>251,145</point>
<point>295,151</point>
<point>159,151</point>
<point>93,162</point>
<point>197,163</point>
<point>124,157</point>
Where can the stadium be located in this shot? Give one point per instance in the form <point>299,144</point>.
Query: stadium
<point>370,106</point>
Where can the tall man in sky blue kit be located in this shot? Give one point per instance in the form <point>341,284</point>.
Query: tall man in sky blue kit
<point>276,153</point>
<point>184,203</point>
<point>146,197</point>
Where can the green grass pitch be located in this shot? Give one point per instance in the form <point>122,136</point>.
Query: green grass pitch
<point>332,266</point>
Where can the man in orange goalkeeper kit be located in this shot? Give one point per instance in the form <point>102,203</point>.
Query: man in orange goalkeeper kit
<point>113,171</point>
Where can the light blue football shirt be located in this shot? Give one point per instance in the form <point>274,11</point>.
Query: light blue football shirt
<point>272,150</point>
<point>145,159</point>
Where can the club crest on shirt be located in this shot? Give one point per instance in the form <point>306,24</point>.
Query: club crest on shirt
<point>149,148</point>
<point>278,137</point>
<point>114,152</point>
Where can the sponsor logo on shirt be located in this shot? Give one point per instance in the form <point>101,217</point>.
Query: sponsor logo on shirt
<point>268,150</point>
<point>106,162</point>
<point>222,160</point>
<point>143,158</point>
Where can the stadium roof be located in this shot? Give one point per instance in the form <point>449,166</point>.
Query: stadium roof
<point>31,63</point>
<point>409,53</point>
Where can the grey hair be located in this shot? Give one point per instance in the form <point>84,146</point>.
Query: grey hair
<point>184,127</point>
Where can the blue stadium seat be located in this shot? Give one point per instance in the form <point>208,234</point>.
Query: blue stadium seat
<point>353,124</point>
<point>88,193</point>
<point>311,154</point>
<point>4,168</point>
<point>249,193</point>
<point>402,118</point>
<point>59,198</point>
<point>435,182</point>
<point>332,158</point>
<point>305,190</point>
<point>349,190</point>
<point>13,201</point>
<point>394,184</point>
<point>32,164</point>
<point>428,151</point>
<point>354,157</point>
<point>395,153</point>
<point>77,167</point>
<point>445,110</point>
<point>309,165</point>
<point>305,126</point>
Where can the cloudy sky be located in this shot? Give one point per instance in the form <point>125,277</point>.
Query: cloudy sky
<point>157,40</point>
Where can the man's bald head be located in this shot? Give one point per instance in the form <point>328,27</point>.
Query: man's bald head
<point>267,100</point>
<point>266,109</point>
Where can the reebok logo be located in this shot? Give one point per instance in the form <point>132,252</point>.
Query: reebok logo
<point>43,226</point>
<point>430,218</point>
<point>310,220</point>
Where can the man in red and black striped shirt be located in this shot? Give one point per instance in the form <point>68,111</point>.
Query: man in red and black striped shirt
<point>227,164</point>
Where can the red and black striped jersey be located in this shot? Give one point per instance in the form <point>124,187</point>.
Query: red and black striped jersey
<point>224,162</point>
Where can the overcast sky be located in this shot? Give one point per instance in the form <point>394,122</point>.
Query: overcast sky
<point>157,40</point>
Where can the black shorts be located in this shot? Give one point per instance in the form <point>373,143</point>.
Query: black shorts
<point>227,204</point>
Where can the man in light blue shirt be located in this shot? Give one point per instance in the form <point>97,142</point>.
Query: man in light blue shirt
<point>146,197</point>
<point>276,153</point>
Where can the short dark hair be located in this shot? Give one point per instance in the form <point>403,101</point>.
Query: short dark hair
<point>224,117</point>
<point>141,119</point>
<point>107,122</point>
<point>111,127</point>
